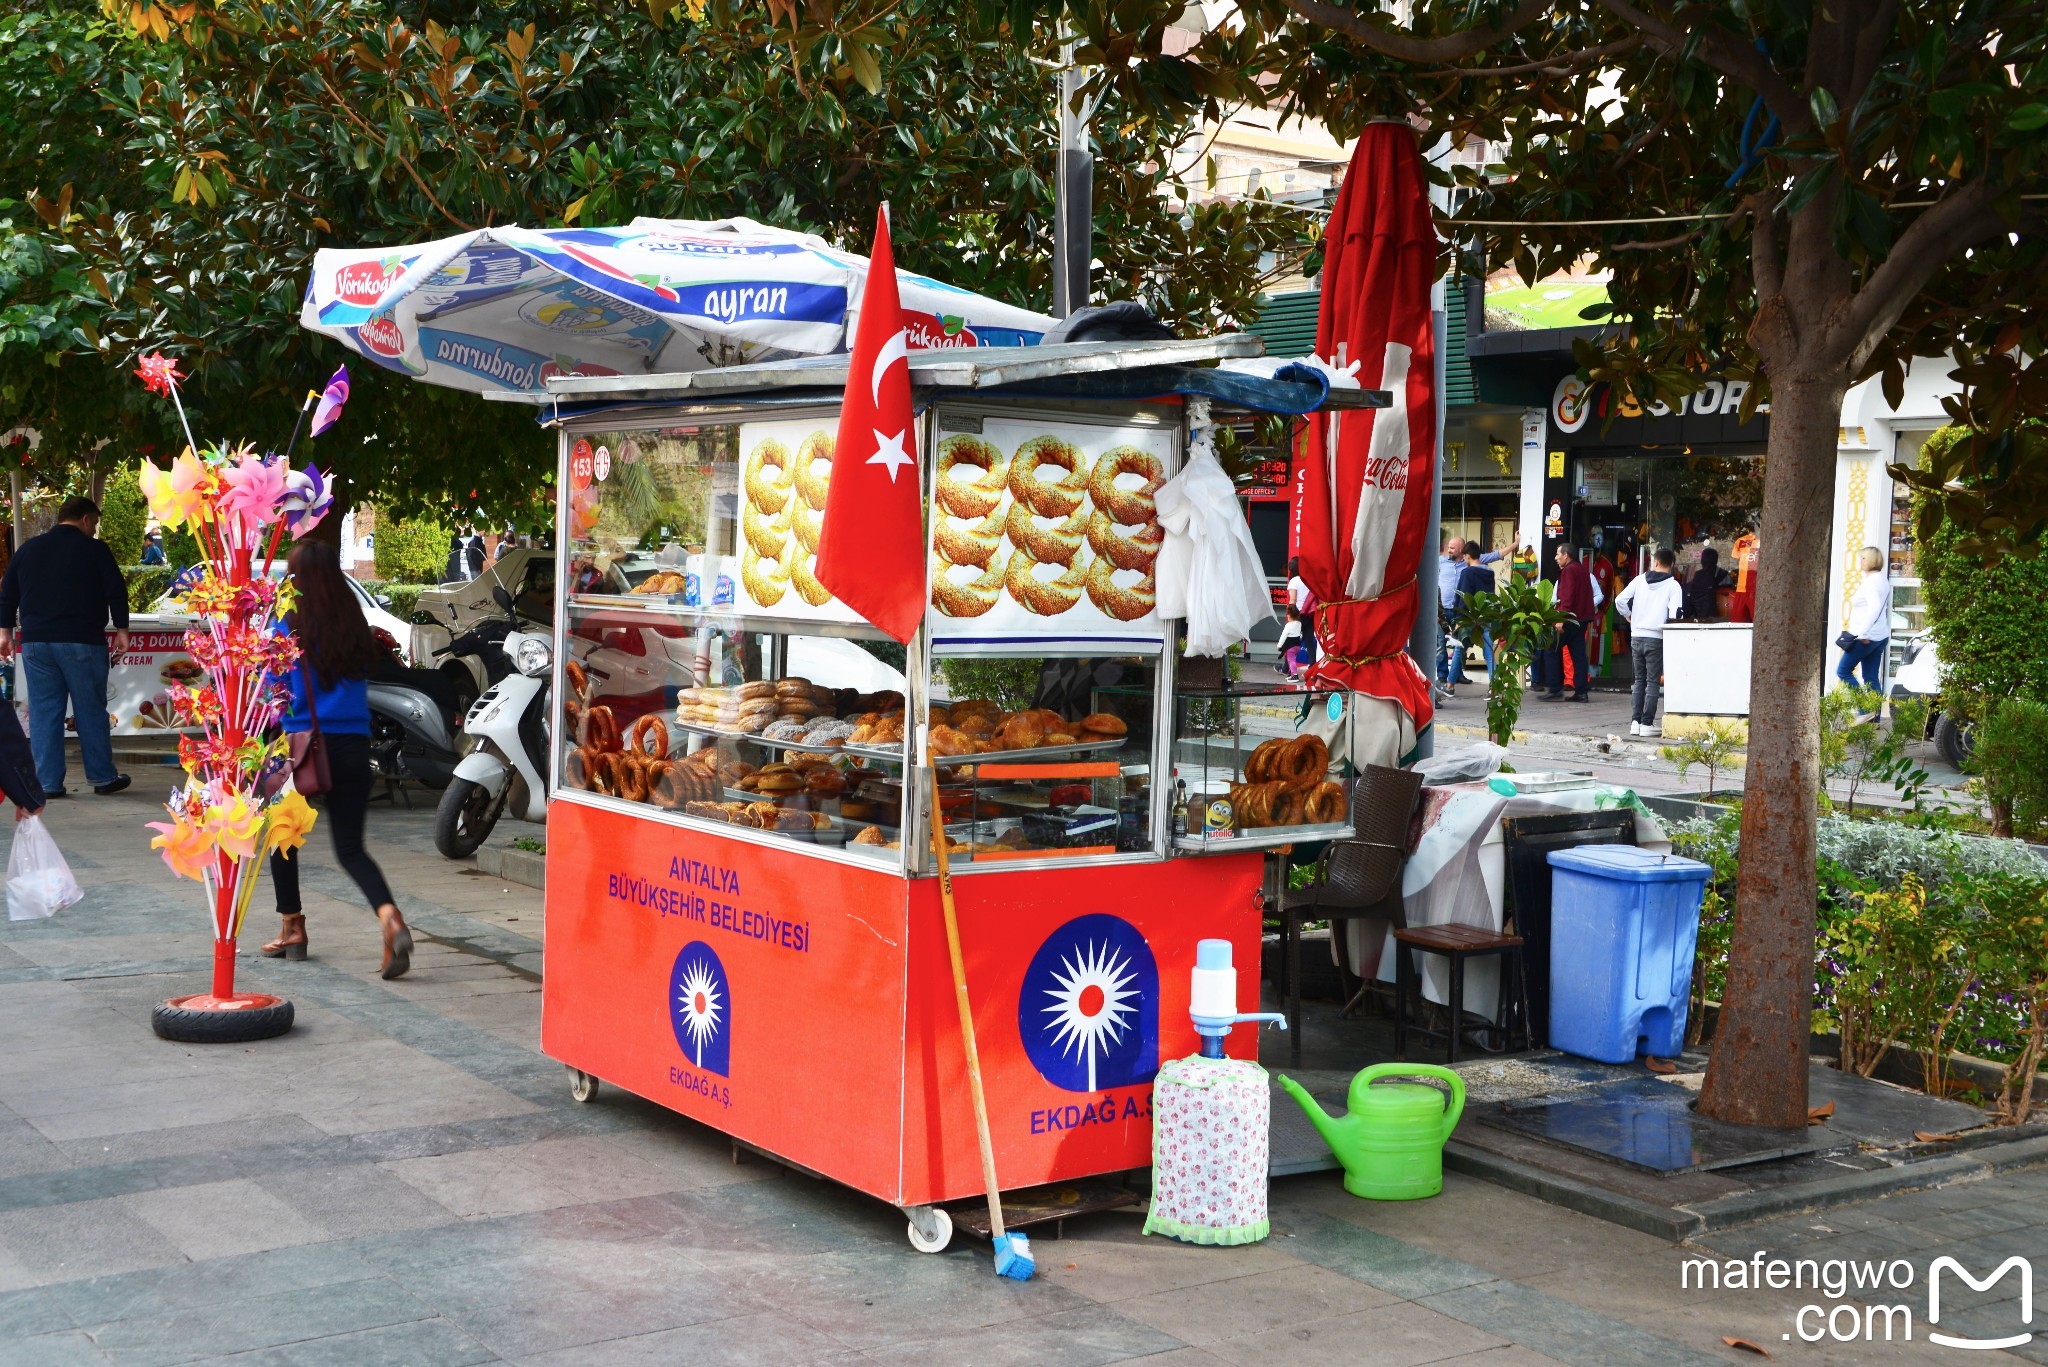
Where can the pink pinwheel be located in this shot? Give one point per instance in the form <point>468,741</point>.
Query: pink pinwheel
<point>306,499</point>
<point>253,489</point>
<point>158,373</point>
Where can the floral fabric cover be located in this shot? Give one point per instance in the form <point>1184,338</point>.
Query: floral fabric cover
<point>1209,1149</point>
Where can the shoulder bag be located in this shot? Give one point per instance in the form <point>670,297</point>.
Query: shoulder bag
<point>308,766</point>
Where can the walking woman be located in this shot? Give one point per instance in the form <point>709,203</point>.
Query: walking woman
<point>336,655</point>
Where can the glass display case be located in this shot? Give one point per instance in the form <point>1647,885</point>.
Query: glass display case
<point>1258,766</point>
<point>708,677</point>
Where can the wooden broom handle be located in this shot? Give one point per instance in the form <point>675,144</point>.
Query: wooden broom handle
<point>988,1154</point>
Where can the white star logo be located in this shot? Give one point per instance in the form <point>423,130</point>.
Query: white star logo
<point>889,454</point>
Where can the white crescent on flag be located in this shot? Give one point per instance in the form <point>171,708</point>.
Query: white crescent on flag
<point>897,348</point>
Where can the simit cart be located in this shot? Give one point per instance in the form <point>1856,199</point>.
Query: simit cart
<point>742,921</point>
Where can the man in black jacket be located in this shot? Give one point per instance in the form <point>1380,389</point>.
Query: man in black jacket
<point>63,585</point>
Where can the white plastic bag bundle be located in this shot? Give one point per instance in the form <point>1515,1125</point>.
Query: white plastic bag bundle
<point>39,882</point>
<point>1208,570</point>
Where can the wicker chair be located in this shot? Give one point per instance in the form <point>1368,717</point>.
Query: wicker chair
<point>1356,878</point>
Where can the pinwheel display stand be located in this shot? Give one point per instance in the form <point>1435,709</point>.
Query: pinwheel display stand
<point>742,921</point>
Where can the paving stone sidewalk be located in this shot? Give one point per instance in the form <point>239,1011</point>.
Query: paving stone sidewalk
<point>405,1179</point>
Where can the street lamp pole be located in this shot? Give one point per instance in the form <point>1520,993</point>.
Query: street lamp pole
<point>1073,246</point>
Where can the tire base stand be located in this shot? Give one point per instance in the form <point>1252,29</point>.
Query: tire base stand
<point>223,1016</point>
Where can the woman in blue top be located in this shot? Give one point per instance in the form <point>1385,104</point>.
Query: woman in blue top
<point>336,654</point>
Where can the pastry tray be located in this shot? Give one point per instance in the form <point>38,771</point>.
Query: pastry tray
<point>805,747</point>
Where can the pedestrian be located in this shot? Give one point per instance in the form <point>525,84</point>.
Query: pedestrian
<point>1450,663</point>
<point>330,697</point>
<point>1578,597</point>
<point>63,586</point>
<point>1294,652</point>
<point>1703,590</point>
<point>153,548</point>
<point>1870,624</point>
<point>1301,603</point>
<point>1650,601</point>
<point>1473,580</point>
<point>18,766</point>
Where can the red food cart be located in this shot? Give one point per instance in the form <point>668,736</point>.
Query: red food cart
<point>742,925</point>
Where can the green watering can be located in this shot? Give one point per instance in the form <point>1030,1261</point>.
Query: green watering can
<point>1392,1141</point>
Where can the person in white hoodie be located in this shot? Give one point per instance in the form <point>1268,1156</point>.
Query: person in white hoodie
<point>1870,623</point>
<point>1649,602</point>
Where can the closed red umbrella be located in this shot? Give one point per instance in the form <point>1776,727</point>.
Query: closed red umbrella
<point>1365,493</point>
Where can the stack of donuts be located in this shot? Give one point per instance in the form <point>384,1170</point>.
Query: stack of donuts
<point>1286,783</point>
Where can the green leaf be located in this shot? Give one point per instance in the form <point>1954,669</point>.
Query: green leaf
<point>2029,117</point>
<point>866,69</point>
<point>1825,110</point>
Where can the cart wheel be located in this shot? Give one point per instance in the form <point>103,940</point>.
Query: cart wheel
<point>582,1085</point>
<point>931,1229</point>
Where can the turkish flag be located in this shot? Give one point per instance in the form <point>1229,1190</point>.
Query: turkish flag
<point>1362,508</point>
<point>871,548</point>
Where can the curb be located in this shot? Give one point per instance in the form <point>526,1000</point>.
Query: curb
<point>1679,1223</point>
<point>1646,1217</point>
<point>514,866</point>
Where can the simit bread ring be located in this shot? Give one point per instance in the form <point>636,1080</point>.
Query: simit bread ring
<point>579,682</point>
<point>769,492</point>
<point>970,498</point>
<point>767,534</point>
<point>1051,597</point>
<point>765,577</point>
<point>1126,550</point>
<point>811,485</point>
<point>1048,498</point>
<point>1302,762</point>
<point>576,769</point>
<point>967,597</point>
<point>649,727</point>
<point>809,524</point>
<point>601,729</point>
<point>1054,544</point>
<point>1127,507</point>
<point>630,777</point>
<point>1125,603</point>
<point>974,543</point>
<point>808,586</point>
<point>604,773</point>
<point>1326,804</point>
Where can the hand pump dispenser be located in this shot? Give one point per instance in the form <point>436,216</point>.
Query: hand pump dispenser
<point>1209,1121</point>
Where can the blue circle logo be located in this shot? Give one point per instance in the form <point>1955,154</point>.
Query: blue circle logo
<point>1089,1008</point>
<point>700,1008</point>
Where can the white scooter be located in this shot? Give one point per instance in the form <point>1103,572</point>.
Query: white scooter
<point>507,764</point>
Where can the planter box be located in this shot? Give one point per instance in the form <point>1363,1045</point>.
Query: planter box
<point>514,866</point>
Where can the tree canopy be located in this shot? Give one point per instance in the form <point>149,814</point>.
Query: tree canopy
<point>186,163</point>
<point>1800,195</point>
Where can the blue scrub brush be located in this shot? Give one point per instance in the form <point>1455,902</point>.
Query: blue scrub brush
<point>1013,1251</point>
<point>1013,1257</point>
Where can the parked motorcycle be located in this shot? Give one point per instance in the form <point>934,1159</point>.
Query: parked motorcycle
<point>416,714</point>
<point>507,764</point>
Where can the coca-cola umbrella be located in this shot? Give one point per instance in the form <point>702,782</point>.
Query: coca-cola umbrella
<point>506,308</point>
<point>1366,491</point>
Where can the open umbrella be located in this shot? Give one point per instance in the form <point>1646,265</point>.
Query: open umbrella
<point>507,308</point>
<point>1366,488</point>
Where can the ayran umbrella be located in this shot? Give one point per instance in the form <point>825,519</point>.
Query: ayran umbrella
<point>1366,490</point>
<point>507,307</point>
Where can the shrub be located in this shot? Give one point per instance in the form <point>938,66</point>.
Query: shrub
<point>1714,749</point>
<point>1522,619</point>
<point>1990,626</point>
<point>2011,742</point>
<point>1860,747</point>
<point>1012,683</point>
<point>124,516</point>
<point>146,584</point>
<point>404,597</point>
<point>411,550</point>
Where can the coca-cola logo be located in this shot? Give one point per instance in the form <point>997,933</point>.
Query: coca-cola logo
<point>381,336</point>
<point>1387,472</point>
<point>366,281</point>
<point>928,332</point>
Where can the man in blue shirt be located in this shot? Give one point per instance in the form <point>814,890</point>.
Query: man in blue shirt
<point>1450,672</point>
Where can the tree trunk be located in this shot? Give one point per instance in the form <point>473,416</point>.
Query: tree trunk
<point>2001,817</point>
<point>1758,1072</point>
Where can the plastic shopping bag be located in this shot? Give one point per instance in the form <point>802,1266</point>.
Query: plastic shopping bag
<point>39,882</point>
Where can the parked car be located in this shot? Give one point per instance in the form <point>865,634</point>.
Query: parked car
<point>376,610</point>
<point>525,572</point>
<point>1919,676</point>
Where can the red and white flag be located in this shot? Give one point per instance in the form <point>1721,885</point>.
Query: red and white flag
<point>871,548</point>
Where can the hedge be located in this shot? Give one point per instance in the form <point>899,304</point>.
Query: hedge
<point>1991,626</point>
<point>411,551</point>
<point>124,515</point>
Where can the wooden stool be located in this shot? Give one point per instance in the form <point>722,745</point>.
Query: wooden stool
<point>1457,944</point>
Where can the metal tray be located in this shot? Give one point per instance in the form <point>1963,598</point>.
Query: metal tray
<point>804,747</point>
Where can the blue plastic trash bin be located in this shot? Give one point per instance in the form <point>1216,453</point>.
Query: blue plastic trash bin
<point>1623,926</point>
